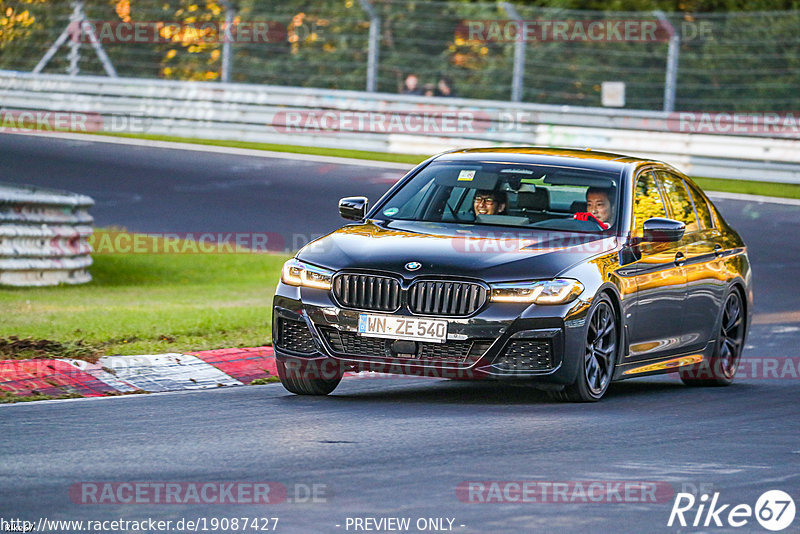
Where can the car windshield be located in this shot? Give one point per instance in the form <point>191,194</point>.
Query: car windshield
<point>508,194</point>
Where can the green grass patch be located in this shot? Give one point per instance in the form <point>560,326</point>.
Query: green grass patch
<point>317,151</point>
<point>15,348</point>
<point>146,304</point>
<point>266,380</point>
<point>749,187</point>
<point>10,398</point>
<point>770,189</point>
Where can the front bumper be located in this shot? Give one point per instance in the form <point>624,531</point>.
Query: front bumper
<point>502,341</point>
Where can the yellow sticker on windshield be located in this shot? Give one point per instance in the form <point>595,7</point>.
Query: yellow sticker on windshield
<point>466,176</point>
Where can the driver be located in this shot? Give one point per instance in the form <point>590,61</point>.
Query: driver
<point>489,202</point>
<point>598,206</point>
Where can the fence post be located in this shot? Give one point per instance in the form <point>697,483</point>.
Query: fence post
<point>227,45</point>
<point>76,26</point>
<point>76,22</point>
<point>671,78</point>
<point>374,43</point>
<point>519,55</point>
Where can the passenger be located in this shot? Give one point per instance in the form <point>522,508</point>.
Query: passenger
<point>599,207</point>
<point>488,202</point>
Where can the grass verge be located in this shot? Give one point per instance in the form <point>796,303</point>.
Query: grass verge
<point>10,398</point>
<point>749,187</point>
<point>145,304</point>
<point>294,149</point>
<point>770,189</point>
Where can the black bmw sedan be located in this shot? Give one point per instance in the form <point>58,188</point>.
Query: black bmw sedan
<point>568,269</point>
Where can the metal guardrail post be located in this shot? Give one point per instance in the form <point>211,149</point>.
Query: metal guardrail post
<point>519,55</point>
<point>671,77</point>
<point>44,237</point>
<point>374,45</point>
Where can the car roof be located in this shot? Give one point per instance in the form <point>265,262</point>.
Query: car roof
<point>587,158</point>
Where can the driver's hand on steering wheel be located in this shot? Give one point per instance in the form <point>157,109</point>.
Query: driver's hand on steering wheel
<point>586,216</point>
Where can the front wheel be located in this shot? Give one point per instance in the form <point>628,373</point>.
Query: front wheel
<point>307,378</point>
<point>721,369</point>
<point>597,365</point>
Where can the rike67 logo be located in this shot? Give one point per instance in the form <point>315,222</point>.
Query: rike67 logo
<point>774,510</point>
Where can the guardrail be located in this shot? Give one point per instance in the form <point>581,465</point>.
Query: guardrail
<point>360,120</point>
<point>44,237</point>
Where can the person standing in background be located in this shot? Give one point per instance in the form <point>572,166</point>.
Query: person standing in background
<point>444,87</point>
<point>411,85</point>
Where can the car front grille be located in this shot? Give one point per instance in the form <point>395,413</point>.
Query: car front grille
<point>367,292</point>
<point>434,297</point>
<point>294,336</point>
<point>354,345</point>
<point>526,355</point>
<point>453,351</point>
<point>350,344</point>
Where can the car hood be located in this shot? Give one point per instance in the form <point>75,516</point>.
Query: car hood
<point>485,252</point>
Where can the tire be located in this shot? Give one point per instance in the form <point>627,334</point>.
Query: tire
<point>724,362</point>
<point>596,367</point>
<point>305,378</point>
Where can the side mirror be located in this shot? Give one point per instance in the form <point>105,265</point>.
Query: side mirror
<point>353,208</point>
<point>662,230</point>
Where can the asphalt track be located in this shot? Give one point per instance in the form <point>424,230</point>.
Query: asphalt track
<point>391,447</point>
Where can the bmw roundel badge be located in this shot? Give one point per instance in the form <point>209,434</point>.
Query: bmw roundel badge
<point>413,265</point>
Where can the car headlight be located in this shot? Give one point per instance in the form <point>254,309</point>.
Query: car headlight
<point>559,291</point>
<point>297,273</point>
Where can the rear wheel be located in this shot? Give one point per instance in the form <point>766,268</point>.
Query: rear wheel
<point>722,366</point>
<point>307,378</point>
<point>600,356</point>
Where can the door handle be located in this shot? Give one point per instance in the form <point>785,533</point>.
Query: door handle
<point>680,259</point>
<point>718,250</point>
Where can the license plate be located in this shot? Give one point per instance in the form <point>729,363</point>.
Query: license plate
<point>412,328</point>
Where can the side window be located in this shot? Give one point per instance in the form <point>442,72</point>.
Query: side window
<point>680,202</point>
<point>701,207</point>
<point>647,202</point>
<point>457,205</point>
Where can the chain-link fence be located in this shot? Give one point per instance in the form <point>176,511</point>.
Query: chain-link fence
<point>720,62</point>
